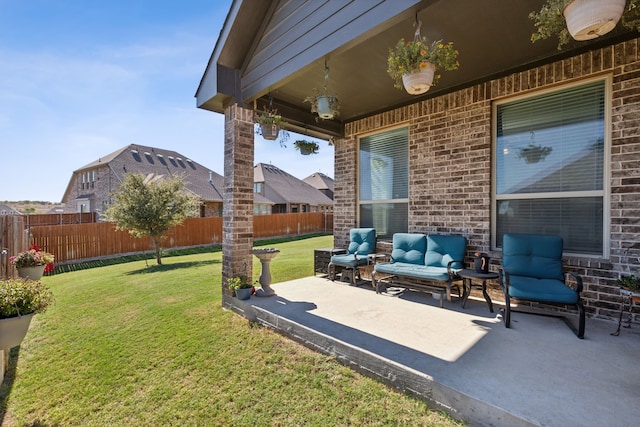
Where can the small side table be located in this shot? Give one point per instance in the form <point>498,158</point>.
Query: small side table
<point>372,260</point>
<point>467,282</point>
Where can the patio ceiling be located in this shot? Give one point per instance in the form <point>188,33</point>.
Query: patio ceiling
<point>493,38</point>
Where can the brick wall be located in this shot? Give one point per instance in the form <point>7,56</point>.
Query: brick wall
<point>450,165</point>
<point>103,186</point>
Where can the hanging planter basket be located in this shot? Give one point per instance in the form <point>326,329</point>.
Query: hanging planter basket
<point>419,82</point>
<point>270,132</point>
<point>31,273</point>
<point>13,330</point>
<point>588,19</point>
<point>325,109</point>
<point>306,148</point>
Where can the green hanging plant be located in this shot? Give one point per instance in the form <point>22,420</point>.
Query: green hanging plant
<point>306,147</point>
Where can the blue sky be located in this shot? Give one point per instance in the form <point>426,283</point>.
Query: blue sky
<point>81,79</point>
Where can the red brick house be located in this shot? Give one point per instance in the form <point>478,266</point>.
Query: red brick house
<point>522,138</point>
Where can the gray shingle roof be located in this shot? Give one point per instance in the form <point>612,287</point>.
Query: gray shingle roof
<point>320,181</point>
<point>282,187</point>
<point>136,158</point>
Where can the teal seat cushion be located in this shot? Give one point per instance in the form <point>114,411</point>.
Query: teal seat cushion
<point>542,290</point>
<point>413,270</point>
<point>409,248</point>
<point>349,260</point>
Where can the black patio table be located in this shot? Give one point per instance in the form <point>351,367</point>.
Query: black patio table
<point>467,282</point>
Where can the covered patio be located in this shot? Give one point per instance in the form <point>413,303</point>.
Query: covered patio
<point>435,163</point>
<point>464,361</point>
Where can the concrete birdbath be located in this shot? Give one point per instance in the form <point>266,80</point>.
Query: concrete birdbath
<point>265,256</point>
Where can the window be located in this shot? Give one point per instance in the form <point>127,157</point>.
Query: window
<point>550,167</point>
<point>383,196</point>
<point>257,187</point>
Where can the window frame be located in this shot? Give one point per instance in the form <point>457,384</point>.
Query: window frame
<point>360,202</point>
<point>607,81</point>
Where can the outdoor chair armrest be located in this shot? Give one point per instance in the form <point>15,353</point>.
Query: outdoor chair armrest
<point>578,280</point>
<point>452,273</point>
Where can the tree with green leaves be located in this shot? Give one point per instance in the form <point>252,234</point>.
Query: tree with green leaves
<point>150,205</point>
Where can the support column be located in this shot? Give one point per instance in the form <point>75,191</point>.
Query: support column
<point>237,211</point>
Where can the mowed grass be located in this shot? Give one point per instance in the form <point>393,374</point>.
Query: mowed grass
<point>146,345</point>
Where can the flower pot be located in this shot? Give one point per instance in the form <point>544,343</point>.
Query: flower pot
<point>243,293</point>
<point>588,19</point>
<point>31,273</point>
<point>324,107</point>
<point>270,132</point>
<point>13,330</point>
<point>419,82</point>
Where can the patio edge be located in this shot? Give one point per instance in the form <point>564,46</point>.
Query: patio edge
<point>440,397</point>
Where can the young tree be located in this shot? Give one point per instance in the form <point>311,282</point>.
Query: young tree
<point>150,205</point>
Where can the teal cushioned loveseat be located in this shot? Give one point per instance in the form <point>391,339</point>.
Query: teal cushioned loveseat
<point>421,261</point>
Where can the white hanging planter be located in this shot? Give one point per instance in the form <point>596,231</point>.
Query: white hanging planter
<point>588,19</point>
<point>419,82</point>
<point>324,107</point>
<point>13,330</point>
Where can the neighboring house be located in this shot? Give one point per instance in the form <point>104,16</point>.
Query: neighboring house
<point>91,186</point>
<point>8,210</point>
<point>276,191</point>
<point>322,182</point>
<point>470,156</point>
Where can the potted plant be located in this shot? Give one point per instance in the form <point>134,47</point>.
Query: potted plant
<point>242,286</point>
<point>270,123</point>
<point>630,284</point>
<point>306,147</point>
<point>33,263</point>
<point>412,65</point>
<point>324,104</point>
<point>20,300</point>
<point>582,19</point>
<point>534,153</point>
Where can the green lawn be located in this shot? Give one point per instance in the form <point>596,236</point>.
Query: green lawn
<point>137,345</point>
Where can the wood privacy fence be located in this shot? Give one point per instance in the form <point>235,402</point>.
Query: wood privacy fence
<point>14,238</point>
<point>75,242</point>
<point>35,220</point>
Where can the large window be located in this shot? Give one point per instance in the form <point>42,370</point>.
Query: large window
<point>550,167</point>
<point>383,196</point>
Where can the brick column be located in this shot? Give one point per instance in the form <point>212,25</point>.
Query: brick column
<point>345,214</point>
<point>237,212</point>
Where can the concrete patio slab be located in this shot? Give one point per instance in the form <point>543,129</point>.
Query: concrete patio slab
<point>464,361</point>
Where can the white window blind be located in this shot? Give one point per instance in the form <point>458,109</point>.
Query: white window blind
<point>384,182</point>
<point>550,166</point>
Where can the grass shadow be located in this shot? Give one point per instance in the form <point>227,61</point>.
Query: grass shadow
<point>169,267</point>
<point>7,384</point>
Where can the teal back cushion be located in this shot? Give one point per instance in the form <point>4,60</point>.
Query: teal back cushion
<point>443,249</point>
<point>362,241</point>
<point>409,248</point>
<point>533,255</point>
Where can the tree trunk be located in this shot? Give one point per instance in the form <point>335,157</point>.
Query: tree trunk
<point>156,247</point>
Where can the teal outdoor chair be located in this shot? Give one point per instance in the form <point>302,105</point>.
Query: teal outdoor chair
<point>532,271</point>
<point>362,242</point>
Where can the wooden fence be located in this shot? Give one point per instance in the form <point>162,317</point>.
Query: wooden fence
<point>14,238</point>
<point>73,242</point>
<point>36,220</point>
